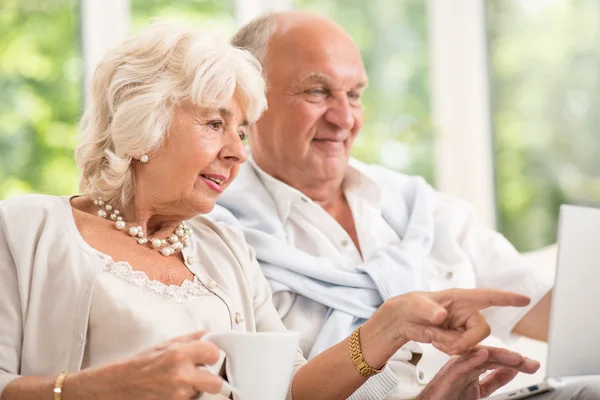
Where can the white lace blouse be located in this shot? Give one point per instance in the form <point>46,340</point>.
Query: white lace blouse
<point>131,313</point>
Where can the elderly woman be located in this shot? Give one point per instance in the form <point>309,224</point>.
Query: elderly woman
<point>113,286</point>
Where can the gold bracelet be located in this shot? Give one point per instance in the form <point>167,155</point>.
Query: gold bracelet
<point>58,384</point>
<point>362,367</point>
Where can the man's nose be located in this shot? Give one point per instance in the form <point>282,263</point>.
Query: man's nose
<point>340,113</point>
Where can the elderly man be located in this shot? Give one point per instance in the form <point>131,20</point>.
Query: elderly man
<point>337,238</point>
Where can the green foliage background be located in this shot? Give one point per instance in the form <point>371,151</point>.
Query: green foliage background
<point>40,96</point>
<point>545,77</point>
<point>544,74</point>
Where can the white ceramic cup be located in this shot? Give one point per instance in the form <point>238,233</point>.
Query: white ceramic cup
<point>259,365</point>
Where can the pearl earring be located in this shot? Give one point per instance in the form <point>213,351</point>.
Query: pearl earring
<point>143,158</point>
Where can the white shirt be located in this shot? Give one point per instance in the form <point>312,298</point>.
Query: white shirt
<point>463,255</point>
<point>49,274</point>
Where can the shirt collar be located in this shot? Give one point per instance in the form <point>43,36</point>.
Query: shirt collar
<point>283,194</point>
<point>356,182</point>
<point>360,184</point>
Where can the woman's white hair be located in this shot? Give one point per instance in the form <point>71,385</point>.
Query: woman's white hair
<point>135,89</point>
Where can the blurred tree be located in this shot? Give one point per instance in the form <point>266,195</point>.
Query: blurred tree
<point>40,96</point>
<point>209,14</point>
<point>545,77</point>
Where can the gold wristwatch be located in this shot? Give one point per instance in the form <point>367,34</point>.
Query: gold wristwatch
<point>357,357</point>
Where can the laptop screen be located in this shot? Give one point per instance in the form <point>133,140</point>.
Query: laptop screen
<point>574,337</point>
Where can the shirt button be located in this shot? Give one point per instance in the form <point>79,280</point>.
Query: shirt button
<point>421,375</point>
<point>449,275</point>
<point>344,243</point>
<point>304,199</point>
<point>191,260</point>
<point>211,284</point>
<point>239,318</point>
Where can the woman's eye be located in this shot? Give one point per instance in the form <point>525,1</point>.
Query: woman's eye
<point>243,136</point>
<point>216,125</point>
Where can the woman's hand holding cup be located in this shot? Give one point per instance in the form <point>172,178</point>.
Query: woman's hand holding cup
<point>169,370</point>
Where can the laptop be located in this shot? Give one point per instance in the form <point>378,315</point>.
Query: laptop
<point>574,337</point>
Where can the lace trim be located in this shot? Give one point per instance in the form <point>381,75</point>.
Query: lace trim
<point>188,291</point>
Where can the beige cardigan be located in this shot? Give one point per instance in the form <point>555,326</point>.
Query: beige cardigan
<point>47,277</point>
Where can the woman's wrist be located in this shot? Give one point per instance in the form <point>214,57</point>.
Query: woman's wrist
<point>91,383</point>
<point>77,385</point>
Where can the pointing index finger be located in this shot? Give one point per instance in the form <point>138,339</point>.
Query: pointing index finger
<point>484,298</point>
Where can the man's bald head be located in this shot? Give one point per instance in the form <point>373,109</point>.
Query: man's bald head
<point>315,79</point>
<point>290,26</point>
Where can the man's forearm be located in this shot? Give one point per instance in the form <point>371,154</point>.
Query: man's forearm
<point>535,324</point>
<point>333,375</point>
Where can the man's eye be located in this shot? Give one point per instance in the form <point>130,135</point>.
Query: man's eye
<point>316,92</point>
<point>354,96</point>
<point>243,136</point>
<point>216,125</point>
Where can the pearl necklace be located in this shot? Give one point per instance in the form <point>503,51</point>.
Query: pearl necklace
<point>176,242</point>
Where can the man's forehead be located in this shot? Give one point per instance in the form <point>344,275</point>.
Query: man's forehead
<point>356,79</point>
<point>306,43</point>
<point>325,63</point>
